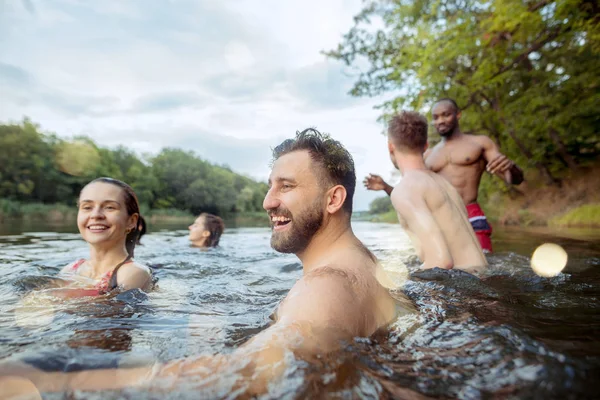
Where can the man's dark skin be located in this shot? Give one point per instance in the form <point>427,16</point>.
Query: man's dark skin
<point>460,158</point>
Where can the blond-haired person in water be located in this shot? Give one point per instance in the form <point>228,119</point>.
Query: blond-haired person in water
<point>429,208</point>
<point>109,220</point>
<point>206,231</point>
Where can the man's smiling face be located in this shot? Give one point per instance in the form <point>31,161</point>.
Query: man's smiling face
<point>295,202</point>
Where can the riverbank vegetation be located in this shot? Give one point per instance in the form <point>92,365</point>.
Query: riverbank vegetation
<point>41,176</point>
<point>525,73</point>
<point>575,203</point>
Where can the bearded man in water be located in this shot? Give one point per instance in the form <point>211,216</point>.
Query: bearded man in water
<point>338,298</point>
<point>429,209</point>
<point>462,158</point>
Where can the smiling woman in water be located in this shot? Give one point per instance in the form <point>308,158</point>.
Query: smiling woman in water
<point>109,220</point>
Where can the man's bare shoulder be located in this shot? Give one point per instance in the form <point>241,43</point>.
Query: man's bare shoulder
<point>323,296</point>
<point>331,272</point>
<point>411,190</point>
<point>414,177</point>
<point>482,140</point>
<point>413,182</point>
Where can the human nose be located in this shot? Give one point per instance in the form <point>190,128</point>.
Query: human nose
<point>97,213</point>
<point>270,202</point>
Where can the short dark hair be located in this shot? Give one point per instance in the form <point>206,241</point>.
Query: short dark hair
<point>449,100</point>
<point>331,155</point>
<point>408,130</point>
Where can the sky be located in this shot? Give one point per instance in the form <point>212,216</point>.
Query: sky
<point>227,79</point>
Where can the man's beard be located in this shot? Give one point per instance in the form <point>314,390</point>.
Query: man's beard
<point>446,133</point>
<point>450,130</point>
<point>303,228</point>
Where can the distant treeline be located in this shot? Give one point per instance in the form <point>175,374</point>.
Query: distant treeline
<point>37,167</point>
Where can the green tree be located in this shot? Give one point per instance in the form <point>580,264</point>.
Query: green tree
<point>38,167</point>
<point>27,167</point>
<point>380,205</point>
<point>526,72</point>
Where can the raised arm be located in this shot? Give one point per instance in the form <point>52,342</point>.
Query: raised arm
<point>420,222</point>
<point>499,164</point>
<point>376,182</point>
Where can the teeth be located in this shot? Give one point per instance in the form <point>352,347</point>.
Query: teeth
<point>280,219</point>
<point>97,227</point>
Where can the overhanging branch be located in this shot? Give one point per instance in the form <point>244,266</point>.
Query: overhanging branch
<point>534,47</point>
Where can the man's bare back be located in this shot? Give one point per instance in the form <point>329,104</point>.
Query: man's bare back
<point>461,159</point>
<point>433,215</point>
<point>429,208</point>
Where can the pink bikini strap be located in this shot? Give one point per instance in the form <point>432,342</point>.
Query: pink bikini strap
<point>77,264</point>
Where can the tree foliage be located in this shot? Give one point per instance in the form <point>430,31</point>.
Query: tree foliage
<point>380,205</point>
<point>526,72</point>
<point>37,167</point>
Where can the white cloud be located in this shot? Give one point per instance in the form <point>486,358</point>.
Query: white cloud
<point>238,56</point>
<point>228,80</point>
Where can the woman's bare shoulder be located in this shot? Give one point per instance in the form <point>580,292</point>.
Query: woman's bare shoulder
<point>135,268</point>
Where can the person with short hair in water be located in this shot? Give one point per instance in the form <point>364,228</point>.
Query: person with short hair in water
<point>109,221</point>
<point>338,297</point>
<point>462,158</point>
<point>429,208</point>
<point>206,231</point>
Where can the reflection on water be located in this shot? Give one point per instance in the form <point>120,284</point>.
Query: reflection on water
<point>510,335</point>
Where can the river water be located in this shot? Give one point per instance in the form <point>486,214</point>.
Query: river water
<point>509,335</point>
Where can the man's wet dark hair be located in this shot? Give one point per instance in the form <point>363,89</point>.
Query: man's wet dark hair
<point>449,100</point>
<point>133,207</point>
<point>335,161</point>
<point>408,131</point>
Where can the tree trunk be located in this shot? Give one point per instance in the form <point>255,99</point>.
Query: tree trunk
<point>562,149</point>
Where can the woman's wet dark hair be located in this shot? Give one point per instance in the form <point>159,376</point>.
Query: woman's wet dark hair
<point>215,226</point>
<point>133,207</point>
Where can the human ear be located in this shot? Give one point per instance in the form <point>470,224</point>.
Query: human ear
<point>458,115</point>
<point>205,233</point>
<point>391,147</point>
<point>336,198</point>
<point>133,221</point>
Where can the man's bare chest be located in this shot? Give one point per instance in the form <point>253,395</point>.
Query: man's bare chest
<point>456,154</point>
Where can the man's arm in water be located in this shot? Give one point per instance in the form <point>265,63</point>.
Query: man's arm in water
<point>499,164</point>
<point>376,182</point>
<point>319,312</point>
<point>409,202</point>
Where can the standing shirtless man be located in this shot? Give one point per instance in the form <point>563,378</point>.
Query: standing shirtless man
<point>429,209</point>
<point>461,158</point>
<point>337,298</point>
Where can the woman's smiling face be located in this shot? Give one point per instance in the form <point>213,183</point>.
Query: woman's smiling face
<point>102,218</point>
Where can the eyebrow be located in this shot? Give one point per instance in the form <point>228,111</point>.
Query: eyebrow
<point>281,179</point>
<point>104,201</point>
